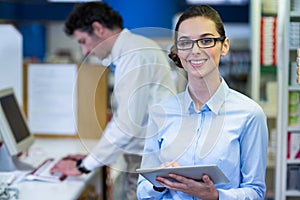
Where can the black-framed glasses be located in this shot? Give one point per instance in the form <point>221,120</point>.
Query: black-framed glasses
<point>202,43</point>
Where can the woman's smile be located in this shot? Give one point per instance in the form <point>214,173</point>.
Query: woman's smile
<point>197,63</point>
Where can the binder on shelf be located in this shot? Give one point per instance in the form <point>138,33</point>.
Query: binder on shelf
<point>293,108</point>
<point>268,37</point>
<point>293,146</point>
<point>293,177</point>
<point>298,65</point>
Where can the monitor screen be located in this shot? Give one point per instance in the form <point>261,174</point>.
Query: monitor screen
<point>13,126</point>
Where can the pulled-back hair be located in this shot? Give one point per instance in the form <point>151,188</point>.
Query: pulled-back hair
<point>84,14</point>
<point>196,11</point>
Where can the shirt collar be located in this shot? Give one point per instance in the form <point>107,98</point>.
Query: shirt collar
<point>116,50</point>
<point>214,103</point>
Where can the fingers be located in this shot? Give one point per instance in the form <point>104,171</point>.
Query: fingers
<point>202,190</point>
<point>74,157</point>
<point>206,179</point>
<point>180,181</point>
<point>66,167</point>
<point>58,167</point>
<point>179,178</point>
<point>173,185</point>
<point>170,164</point>
<point>165,182</point>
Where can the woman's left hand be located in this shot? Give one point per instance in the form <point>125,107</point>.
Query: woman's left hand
<point>204,190</point>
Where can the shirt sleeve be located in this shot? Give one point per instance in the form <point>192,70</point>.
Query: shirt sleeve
<point>150,159</point>
<point>137,87</point>
<point>254,147</point>
<point>106,151</point>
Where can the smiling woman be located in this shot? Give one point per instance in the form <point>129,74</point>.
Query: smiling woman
<point>201,60</point>
<point>207,124</point>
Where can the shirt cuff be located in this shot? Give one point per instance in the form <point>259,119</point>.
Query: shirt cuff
<point>91,163</point>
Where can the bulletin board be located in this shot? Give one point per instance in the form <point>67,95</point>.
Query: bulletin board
<point>65,100</point>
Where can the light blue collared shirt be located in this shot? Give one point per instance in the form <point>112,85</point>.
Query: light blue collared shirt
<point>230,131</point>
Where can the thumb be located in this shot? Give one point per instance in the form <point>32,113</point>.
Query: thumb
<point>206,179</point>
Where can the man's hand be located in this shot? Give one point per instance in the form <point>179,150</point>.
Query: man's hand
<point>75,157</point>
<point>67,165</point>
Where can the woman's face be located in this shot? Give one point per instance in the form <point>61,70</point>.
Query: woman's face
<point>200,62</point>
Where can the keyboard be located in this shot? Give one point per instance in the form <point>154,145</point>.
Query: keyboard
<point>42,172</point>
<point>7,177</point>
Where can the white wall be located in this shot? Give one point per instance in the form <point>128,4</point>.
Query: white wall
<point>11,60</point>
<point>58,40</point>
<point>239,35</point>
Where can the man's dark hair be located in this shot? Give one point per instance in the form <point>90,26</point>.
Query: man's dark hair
<point>84,14</point>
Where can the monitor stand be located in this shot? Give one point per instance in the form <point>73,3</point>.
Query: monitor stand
<point>11,163</point>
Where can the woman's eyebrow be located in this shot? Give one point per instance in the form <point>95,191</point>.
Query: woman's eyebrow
<point>184,37</point>
<point>200,36</point>
<point>206,34</point>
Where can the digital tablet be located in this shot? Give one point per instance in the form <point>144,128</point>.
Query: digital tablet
<point>195,172</point>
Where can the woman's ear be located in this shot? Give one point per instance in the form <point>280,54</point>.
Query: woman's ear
<point>98,29</point>
<point>225,47</point>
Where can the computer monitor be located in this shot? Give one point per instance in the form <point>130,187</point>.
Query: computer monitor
<point>14,131</point>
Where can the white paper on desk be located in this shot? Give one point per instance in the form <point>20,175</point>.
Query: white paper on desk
<point>52,98</point>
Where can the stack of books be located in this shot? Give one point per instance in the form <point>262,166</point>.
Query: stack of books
<point>270,7</point>
<point>268,40</point>
<point>293,151</point>
<point>298,66</point>
<point>294,35</point>
<point>294,99</point>
<point>295,6</point>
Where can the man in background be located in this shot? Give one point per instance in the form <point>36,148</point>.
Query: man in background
<point>142,77</point>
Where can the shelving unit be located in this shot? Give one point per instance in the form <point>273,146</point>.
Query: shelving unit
<point>286,55</point>
<point>255,11</point>
<point>258,77</point>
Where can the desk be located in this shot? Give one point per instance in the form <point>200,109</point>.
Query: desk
<point>69,189</point>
